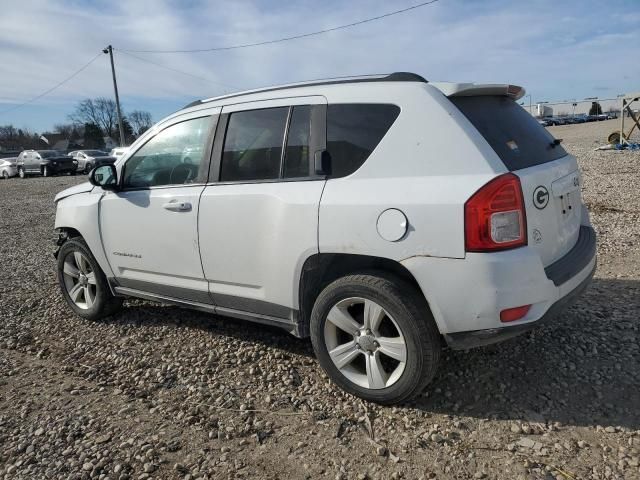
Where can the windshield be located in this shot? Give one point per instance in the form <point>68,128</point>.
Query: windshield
<point>515,135</point>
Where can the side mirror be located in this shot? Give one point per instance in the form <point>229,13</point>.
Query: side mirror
<point>104,176</point>
<point>322,163</point>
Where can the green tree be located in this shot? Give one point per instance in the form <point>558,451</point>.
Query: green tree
<point>128,131</point>
<point>93,136</point>
<point>595,109</point>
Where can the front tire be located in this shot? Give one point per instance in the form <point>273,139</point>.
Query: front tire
<point>46,172</point>
<point>5,175</point>
<point>375,337</point>
<point>21,172</point>
<point>83,283</point>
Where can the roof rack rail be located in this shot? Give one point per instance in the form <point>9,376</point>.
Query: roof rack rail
<point>392,77</point>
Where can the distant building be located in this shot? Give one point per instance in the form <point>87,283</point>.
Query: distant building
<point>567,107</point>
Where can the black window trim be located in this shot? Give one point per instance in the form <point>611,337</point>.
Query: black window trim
<point>285,139</point>
<point>204,163</point>
<point>317,142</point>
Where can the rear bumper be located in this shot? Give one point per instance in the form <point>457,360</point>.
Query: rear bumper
<point>467,295</point>
<point>479,338</point>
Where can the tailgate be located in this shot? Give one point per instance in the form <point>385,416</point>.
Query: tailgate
<point>549,176</point>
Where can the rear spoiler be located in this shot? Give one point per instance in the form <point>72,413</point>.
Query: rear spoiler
<point>473,89</point>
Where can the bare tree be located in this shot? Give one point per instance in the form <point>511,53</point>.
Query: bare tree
<point>12,138</point>
<point>99,111</point>
<point>68,130</point>
<point>140,121</point>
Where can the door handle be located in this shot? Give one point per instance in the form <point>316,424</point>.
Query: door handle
<point>174,206</point>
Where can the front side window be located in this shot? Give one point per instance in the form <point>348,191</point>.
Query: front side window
<point>173,157</point>
<point>354,130</point>
<point>253,145</point>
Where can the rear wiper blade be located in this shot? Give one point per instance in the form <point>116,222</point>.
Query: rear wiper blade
<point>556,142</point>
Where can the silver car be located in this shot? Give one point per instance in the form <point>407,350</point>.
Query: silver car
<point>88,159</point>
<point>8,168</point>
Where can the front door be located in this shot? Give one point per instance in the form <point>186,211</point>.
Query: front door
<point>149,227</point>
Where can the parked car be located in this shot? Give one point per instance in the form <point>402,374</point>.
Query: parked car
<point>382,216</point>
<point>544,122</point>
<point>45,163</point>
<point>118,152</point>
<point>88,159</point>
<point>552,121</point>
<point>8,168</point>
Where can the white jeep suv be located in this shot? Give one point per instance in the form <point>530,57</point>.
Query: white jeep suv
<point>383,216</point>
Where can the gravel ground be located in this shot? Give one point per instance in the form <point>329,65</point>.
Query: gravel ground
<point>161,392</point>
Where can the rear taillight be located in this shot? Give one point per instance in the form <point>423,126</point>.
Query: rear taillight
<point>495,217</point>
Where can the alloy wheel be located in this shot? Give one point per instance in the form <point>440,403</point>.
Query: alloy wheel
<point>79,280</point>
<point>365,343</point>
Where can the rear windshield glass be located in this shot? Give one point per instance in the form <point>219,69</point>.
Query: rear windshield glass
<point>512,132</point>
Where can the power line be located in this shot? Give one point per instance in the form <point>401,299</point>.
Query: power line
<point>286,39</point>
<point>15,107</point>
<point>175,69</point>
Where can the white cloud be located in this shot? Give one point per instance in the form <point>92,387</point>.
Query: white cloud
<point>556,50</point>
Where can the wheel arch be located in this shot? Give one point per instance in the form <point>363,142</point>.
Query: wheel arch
<point>321,269</point>
<point>79,216</point>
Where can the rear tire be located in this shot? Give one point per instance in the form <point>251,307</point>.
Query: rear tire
<point>5,175</point>
<point>83,283</point>
<point>388,363</point>
<point>46,172</point>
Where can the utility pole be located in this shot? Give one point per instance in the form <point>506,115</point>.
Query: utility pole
<point>109,50</point>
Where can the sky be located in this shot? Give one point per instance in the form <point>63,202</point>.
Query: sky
<point>556,49</point>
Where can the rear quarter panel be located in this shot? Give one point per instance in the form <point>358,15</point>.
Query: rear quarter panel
<point>427,165</point>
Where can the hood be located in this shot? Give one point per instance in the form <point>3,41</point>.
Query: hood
<point>82,188</point>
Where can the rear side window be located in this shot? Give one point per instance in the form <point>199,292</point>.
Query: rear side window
<point>514,134</point>
<point>253,145</point>
<point>354,130</point>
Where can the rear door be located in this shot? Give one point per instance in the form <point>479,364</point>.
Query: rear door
<point>32,163</point>
<point>258,218</point>
<point>549,176</point>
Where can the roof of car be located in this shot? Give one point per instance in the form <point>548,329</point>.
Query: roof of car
<point>450,89</point>
<point>392,77</point>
